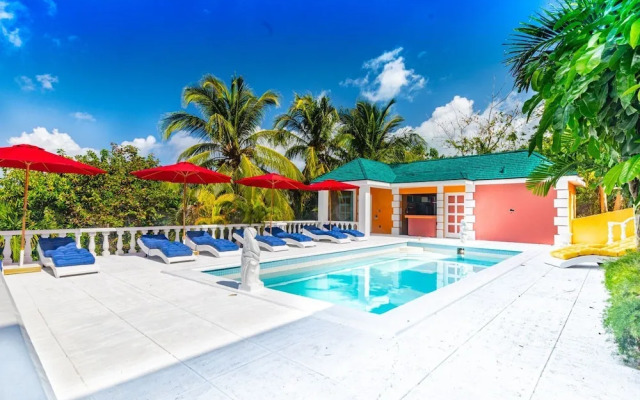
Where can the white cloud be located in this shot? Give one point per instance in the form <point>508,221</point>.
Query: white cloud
<point>168,151</point>
<point>145,145</point>
<point>8,21</point>
<point>25,83</point>
<point>391,78</point>
<point>453,117</point>
<point>47,81</point>
<point>83,116</point>
<point>50,141</point>
<point>52,7</point>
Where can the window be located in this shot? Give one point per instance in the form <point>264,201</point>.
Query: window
<point>420,204</point>
<point>341,206</point>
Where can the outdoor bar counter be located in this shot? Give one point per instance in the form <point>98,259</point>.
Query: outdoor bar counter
<point>421,225</point>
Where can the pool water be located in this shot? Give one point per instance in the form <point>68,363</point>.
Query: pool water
<point>379,283</point>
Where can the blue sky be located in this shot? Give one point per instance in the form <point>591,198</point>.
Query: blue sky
<point>106,71</point>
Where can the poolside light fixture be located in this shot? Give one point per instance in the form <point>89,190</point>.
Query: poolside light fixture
<point>33,158</point>
<point>271,181</point>
<point>183,172</point>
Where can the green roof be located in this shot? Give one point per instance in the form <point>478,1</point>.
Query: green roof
<point>507,165</point>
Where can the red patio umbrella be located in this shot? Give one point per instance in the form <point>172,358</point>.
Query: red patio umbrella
<point>32,158</point>
<point>332,186</point>
<point>182,172</point>
<point>271,181</point>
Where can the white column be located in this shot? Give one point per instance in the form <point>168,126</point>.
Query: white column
<point>119,243</point>
<point>132,242</point>
<point>6,252</point>
<point>27,249</point>
<point>364,210</point>
<point>105,244</point>
<point>396,204</point>
<point>469,210</point>
<point>562,219</point>
<point>323,206</point>
<point>92,243</point>
<point>440,211</point>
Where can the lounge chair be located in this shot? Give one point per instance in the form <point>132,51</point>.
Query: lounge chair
<point>161,246</point>
<point>578,254</point>
<point>269,243</point>
<point>351,233</point>
<point>292,239</point>
<point>64,258</point>
<point>318,234</point>
<point>203,241</point>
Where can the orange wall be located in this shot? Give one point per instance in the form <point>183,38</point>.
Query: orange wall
<point>531,221</point>
<point>419,190</point>
<point>454,189</point>
<point>595,228</point>
<point>381,210</point>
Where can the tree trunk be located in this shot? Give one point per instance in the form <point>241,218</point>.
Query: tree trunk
<point>617,205</point>
<point>603,200</point>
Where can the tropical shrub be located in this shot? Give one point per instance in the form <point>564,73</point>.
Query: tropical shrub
<point>622,279</point>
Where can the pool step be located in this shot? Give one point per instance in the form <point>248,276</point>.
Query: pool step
<point>411,249</point>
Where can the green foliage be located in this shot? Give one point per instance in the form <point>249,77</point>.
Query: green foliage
<point>622,279</point>
<point>307,130</point>
<point>582,60</point>
<point>370,131</point>
<point>117,198</point>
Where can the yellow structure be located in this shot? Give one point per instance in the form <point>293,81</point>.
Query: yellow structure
<point>594,229</point>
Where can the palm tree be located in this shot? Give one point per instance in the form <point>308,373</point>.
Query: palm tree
<point>370,131</point>
<point>308,130</point>
<point>229,134</point>
<point>228,129</point>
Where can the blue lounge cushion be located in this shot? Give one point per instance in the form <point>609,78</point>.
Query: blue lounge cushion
<point>205,239</point>
<point>317,231</point>
<point>48,245</point>
<point>64,253</point>
<point>270,240</point>
<point>298,237</point>
<point>167,247</point>
<point>351,232</point>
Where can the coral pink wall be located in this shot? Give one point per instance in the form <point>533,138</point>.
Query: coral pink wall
<point>530,222</point>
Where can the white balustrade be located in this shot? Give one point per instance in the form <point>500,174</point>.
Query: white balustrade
<point>218,231</point>
<point>623,229</point>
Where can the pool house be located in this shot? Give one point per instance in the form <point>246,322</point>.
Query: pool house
<point>431,199</point>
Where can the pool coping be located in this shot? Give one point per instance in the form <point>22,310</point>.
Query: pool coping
<point>391,323</point>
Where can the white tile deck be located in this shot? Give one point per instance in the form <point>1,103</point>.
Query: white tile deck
<point>134,332</point>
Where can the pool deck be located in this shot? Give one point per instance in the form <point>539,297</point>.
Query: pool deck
<point>143,329</point>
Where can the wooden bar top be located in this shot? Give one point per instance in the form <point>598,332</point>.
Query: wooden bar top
<point>420,216</point>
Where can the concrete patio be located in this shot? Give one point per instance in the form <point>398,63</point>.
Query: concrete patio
<point>133,331</point>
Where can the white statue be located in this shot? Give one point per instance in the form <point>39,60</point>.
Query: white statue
<point>250,268</point>
<point>463,231</point>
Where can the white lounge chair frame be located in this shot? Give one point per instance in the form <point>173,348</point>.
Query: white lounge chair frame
<point>262,245</point>
<point>158,253</point>
<point>293,242</point>
<point>66,271</point>
<point>318,238</point>
<point>210,249</point>
<point>575,261</point>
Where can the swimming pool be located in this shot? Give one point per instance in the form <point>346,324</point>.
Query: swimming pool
<point>380,282</point>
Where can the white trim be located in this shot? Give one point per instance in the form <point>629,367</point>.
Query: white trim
<point>201,248</point>
<point>261,244</point>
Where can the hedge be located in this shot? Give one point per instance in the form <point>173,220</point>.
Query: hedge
<point>622,279</point>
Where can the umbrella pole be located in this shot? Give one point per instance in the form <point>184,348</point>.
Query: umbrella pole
<point>271,223</point>
<point>184,213</point>
<point>330,210</point>
<point>24,214</point>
